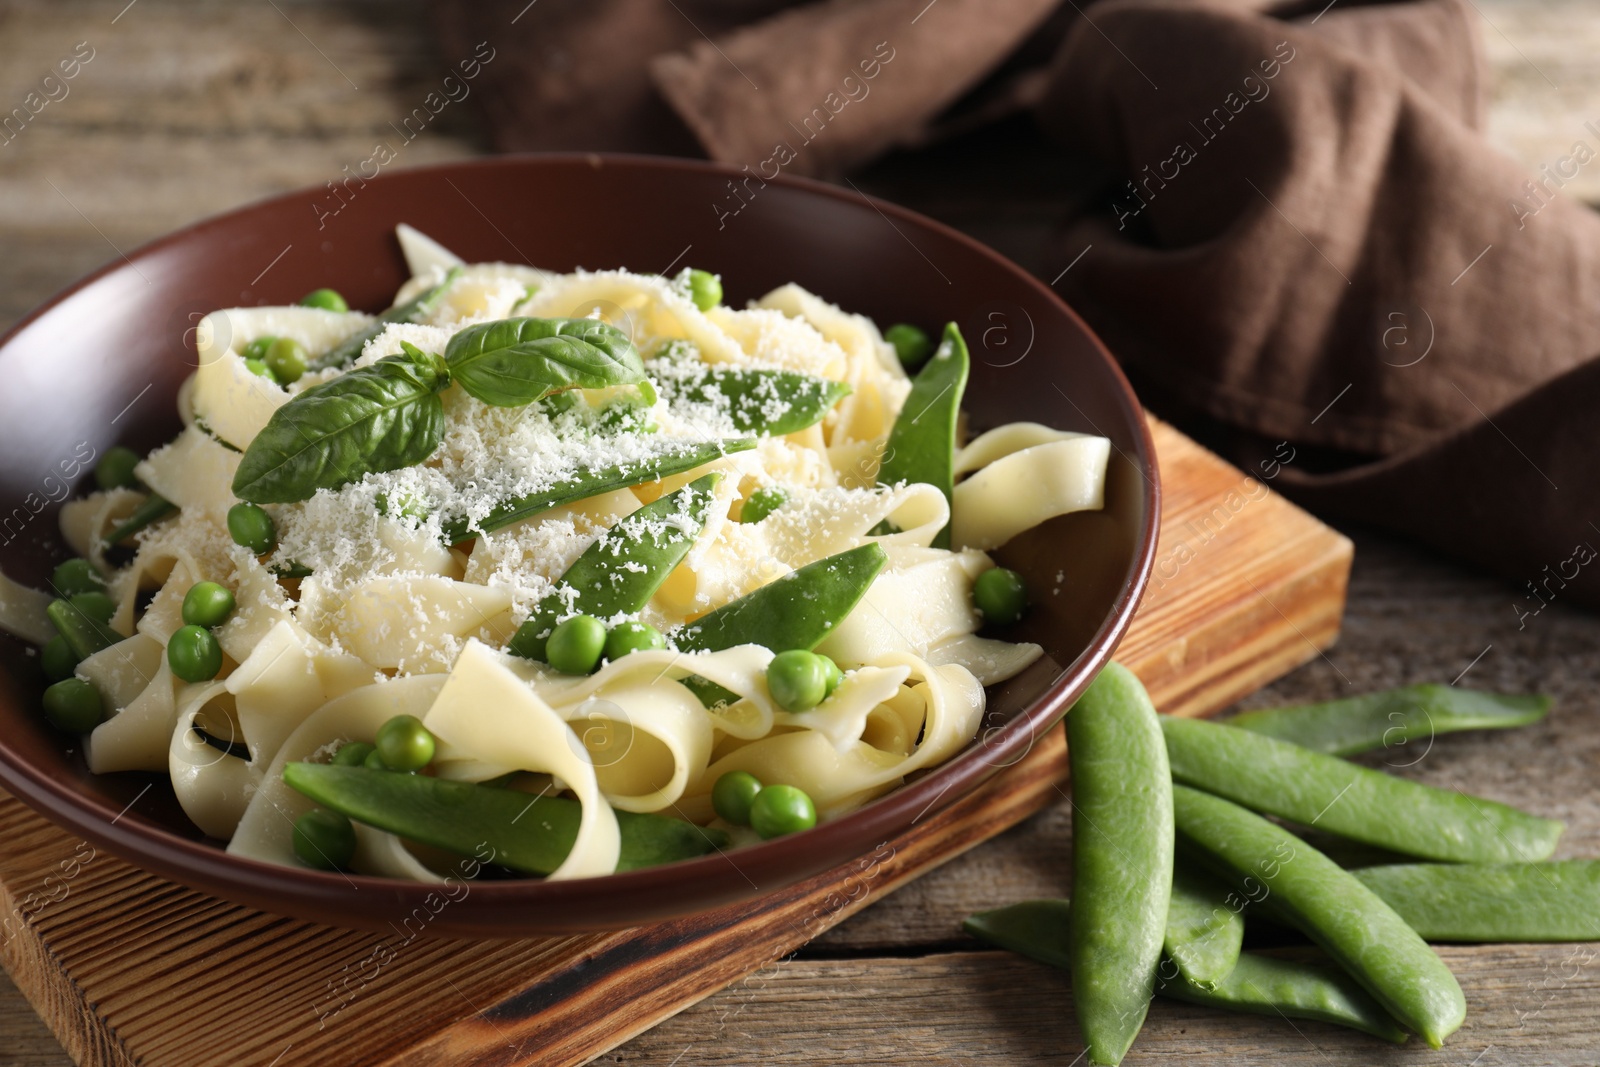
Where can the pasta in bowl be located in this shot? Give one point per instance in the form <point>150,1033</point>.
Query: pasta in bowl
<point>586,546</point>
<point>760,622</point>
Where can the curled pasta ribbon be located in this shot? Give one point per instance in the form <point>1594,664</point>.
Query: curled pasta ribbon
<point>195,472</point>
<point>266,829</point>
<point>920,600</point>
<point>525,733</point>
<point>650,310</point>
<point>1023,489</point>
<point>1002,441</point>
<point>941,705</point>
<point>137,735</point>
<point>235,403</point>
<point>213,787</point>
<point>86,521</point>
<point>403,621</point>
<point>481,291</point>
<point>22,611</point>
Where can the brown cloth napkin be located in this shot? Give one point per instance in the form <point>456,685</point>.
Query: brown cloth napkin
<point>1311,250</point>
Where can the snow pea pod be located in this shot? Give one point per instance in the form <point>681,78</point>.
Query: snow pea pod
<point>1557,901</point>
<point>526,833</point>
<point>622,570</point>
<point>1205,927</point>
<point>347,351</point>
<point>673,460</point>
<point>155,508</point>
<point>1122,842</point>
<point>83,633</point>
<point>1330,905</point>
<point>1259,985</point>
<point>1393,717</point>
<point>922,442</point>
<point>1283,779</point>
<point>762,401</point>
<point>796,611</point>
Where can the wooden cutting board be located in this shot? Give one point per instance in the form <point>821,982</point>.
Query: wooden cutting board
<point>127,968</point>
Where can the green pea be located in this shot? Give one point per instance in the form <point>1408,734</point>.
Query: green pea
<point>353,754</point>
<point>193,654</point>
<point>705,289</point>
<point>797,680</point>
<point>633,636</point>
<point>733,794</point>
<point>96,605</point>
<point>207,604</point>
<point>327,299</point>
<point>73,705</point>
<point>832,674</point>
<point>115,469</point>
<point>910,344</point>
<point>325,840</point>
<point>1001,595</point>
<point>763,502</point>
<point>257,349</point>
<point>76,576</point>
<point>258,368</point>
<point>576,645</point>
<point>57,659</point>
<point>250,525</point>
<point>781,809</point>
<point>404,744</point>
<point>286,359</point>
<point>374,762</point>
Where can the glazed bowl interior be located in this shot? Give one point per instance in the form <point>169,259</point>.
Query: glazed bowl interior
<point>102,362</point>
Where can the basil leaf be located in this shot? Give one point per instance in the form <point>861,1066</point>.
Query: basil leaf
<point>922,442</point>
<point>518,361</point>
<point>349,350</point>
<point>757,401</point>
<point>669,461</point>
<point>376,418</point>
<point>155,508</point>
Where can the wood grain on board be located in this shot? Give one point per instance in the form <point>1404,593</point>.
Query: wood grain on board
<point>127,968</point>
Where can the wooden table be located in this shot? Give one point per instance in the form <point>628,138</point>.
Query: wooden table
<point>188,109</point>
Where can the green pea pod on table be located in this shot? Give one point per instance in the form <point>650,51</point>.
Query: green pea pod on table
<point>795,611</point>
<point>922,442</point>
<point>84,634</point>
<point>152,510</point>
<point>670,460</point>
<point>513,362</point>
<point>1205,927</point>
<point>1392,718</point>
<point>348,351</point>
<point>763,401</point>
<point>621,571</point>
<point>1333,795</point>
<point>1330,905</point>
<point>376,418</point>
<point>1493,902</point>
<point>1122,846</point>
<point>1258,985</point>
<point>527,833</point>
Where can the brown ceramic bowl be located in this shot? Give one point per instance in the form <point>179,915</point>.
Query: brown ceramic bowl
<point>101,363</point>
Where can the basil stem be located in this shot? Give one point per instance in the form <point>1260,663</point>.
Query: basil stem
<point>376,418</point>
<point>595,481</point>
<point>84,634</point>
<point>155,508</point>
<point>349,350</point>
<point>922,441</point>
<point>796,611</point>
<point>759,401</point>
<point>621,571</point>
<point>518,361</point>
<point>526,833</point>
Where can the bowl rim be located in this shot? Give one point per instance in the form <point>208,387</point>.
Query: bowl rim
<point>199,863</point>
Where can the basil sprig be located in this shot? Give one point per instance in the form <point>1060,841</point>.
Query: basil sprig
<point>388,415</point>
<point>376,418</point>
<point>519,361</point>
